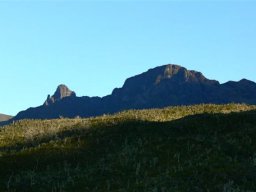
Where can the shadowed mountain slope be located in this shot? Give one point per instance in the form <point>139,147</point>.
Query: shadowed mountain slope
<point>162,86</point>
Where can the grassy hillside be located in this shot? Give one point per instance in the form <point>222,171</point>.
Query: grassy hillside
<point>193,148</point>
<point>4,117</point>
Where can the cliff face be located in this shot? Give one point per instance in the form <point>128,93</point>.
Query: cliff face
<point>159,87</point>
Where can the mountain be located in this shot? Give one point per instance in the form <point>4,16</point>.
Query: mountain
<point>162,86</point>
<point>4,117</point>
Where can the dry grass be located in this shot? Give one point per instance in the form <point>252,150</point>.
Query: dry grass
<point>188,148</point>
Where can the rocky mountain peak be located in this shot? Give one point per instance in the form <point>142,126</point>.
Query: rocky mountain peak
<point>170,70</point>
<point>182,74</point>
<point>167,73</point>
<point>61,92</point>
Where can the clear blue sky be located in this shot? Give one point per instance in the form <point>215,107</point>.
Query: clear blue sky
<point>94,46</point>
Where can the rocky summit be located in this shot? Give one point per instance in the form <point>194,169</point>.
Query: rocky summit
<point>61,92</point>
<point>166,85</point>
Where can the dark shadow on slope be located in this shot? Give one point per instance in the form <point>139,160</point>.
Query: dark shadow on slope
<point>201,152</point>
<point>207,123</point>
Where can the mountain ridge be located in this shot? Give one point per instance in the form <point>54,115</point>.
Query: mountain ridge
<point>4,117</point>
<point>162,86</point>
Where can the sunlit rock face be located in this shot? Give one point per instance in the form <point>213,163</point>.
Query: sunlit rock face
<point>61,92</point>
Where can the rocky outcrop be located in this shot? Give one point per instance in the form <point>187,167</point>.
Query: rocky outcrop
<point>61,92</point>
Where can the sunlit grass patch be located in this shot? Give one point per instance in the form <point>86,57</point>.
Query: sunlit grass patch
<point>188,148</point>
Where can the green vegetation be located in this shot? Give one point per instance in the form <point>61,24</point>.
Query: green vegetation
<point>189,148</point>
